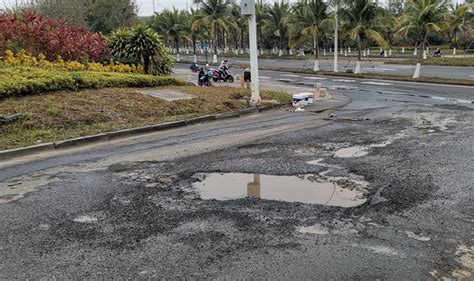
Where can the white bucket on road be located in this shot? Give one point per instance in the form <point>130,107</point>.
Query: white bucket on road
<point>298,99</point>
<point>308,98</point>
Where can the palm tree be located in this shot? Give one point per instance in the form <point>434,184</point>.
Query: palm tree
<point>310,18</point>
<point>261,10</point>
<point>240,26</point>
<point>143,45</point>
<point>214,14</point>
<point>172,25</point>
<point>276,22</point>
<point>460,21</point>
<point>360,17</point>
<point>420,18</point>
<point>386,25</point>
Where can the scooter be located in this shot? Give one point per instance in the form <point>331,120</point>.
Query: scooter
<point>204,78</point>
<point>219,75</point>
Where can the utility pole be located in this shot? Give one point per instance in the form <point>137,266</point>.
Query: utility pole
<point>154,8</point>
<point>336,35</point>
<point>247,7</point>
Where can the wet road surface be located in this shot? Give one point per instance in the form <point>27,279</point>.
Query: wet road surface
<point>151,206</point>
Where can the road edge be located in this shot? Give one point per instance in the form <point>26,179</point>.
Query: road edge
<point>104,137</point>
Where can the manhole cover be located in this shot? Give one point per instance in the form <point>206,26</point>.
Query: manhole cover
<point>168,95</point>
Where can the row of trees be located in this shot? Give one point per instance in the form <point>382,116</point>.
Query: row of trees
<point>310,24</point>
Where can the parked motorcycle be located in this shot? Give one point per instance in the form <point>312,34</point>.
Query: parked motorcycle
<point>204,77</point>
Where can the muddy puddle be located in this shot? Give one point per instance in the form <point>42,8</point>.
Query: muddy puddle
<point>310,189</point>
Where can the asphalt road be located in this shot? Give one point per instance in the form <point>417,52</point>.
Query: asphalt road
<point>127,209</point>
<point>368,66</point>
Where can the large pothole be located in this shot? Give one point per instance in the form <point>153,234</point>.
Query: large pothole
<point>309,188</point>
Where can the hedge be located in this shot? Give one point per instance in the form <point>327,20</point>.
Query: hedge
<point>22,80</point>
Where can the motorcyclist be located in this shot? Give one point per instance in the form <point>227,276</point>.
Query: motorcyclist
<point>224,68</point>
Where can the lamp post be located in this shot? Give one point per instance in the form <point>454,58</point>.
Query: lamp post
<point>247,7</point>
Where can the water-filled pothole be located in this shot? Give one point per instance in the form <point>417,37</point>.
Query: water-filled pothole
<point>311,189</point>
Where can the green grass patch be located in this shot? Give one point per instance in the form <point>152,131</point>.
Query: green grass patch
<point>22,80</point>
<point>467,62</point>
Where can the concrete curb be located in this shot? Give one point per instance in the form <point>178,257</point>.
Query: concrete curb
<point>81,140</point>
<point>146,129</point>
<point>12,153</point>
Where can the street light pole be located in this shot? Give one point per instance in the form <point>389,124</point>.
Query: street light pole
<point>248,8</point>
<point>336,33</point>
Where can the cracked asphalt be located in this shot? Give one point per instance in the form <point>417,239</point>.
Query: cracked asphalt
<point>124,209</point>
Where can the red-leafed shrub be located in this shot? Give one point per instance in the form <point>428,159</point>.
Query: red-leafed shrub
<point>36,34</point>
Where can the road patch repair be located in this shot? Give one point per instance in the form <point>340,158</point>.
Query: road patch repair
<point>168,95</point>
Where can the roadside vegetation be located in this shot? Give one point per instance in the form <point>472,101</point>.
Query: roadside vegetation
<point>61,81</point>
<point>459,61</point>
<point>55,116</point>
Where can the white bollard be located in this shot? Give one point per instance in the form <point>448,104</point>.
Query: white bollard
<point>280,52</point>
<point>324,52</point>
<point>368,52</point>
<point>349,50</point>
<point>384,54</point>
<point>424,55</point>
<point>214,58</point>
<point>195,59</point>
<point>390,52</point>
<point>454,51</point>
<point>364,54</point>
<point>178,58</point>
<point>403,50</point>
<point>345,53</point>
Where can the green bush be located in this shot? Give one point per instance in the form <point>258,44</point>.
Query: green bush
<point>21,80</point>
<point>141,45</point>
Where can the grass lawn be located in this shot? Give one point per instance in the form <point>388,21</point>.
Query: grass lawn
<point>62,115</point>
<point>459,61</point>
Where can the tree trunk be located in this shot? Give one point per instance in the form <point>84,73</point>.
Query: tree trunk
<point>359,48</point>
<point>242,37</point>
